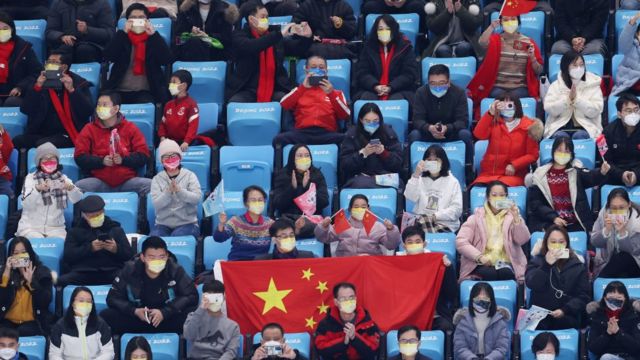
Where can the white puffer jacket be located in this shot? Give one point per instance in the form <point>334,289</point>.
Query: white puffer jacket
<point>443,192</point>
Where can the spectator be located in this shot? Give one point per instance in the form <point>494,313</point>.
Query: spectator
<point>249,233</point>
<point>9,344</point>
<point>409,343</point>
<point>6,176</point>
<point>490,241</point>
<point>138,348</point>
<point>202,21</point>
<point>623,140</point>
<point>628,72</point>
<point>558,280</point>
<point>293,181</point>
<point>25,291</point>
<point>112,150</point>
<point>414,243</point>
<point>157,8</point>
<point>512,63</point>
<point>614,331</point>
<point>175,193</point>
<point>435,192</point>
<point>283,234</point>
<point>545,346</point>
<point>513,142</point>
<point>273,336</point>
<point>393,7</point>
<point>316,108</point>
<point>496,5</point>
<point>26,10</point>
<point>211,333</point>
<point>440,112</point>
<point>350,324</point>
<point>355,240</point>
<point>138,53</point>
<point>259,74</point>
<point>481,329</point>
<point>580,26</point>
<point>56,109</point>
<point>81,333</point>
<point>574,101</point>
<point>630,4</point>
<point>387,69</point>
<point>616,238</point>
<point>557,195</point>
<point>152,294</point>
<point>454,25</point>
<point>45,196</point>
<point>370,151</point>
<point>20,66</point>
<point>96,248</point>
<point>81,29</point>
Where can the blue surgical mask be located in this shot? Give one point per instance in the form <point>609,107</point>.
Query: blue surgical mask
<point>317,72</point>
<point>439,91</point>
<point>508,113</point>
<point>371,127</point>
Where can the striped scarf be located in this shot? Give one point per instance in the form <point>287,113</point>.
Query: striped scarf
<point>57,188</point>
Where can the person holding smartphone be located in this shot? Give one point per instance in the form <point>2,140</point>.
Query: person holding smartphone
<point>558,280</point>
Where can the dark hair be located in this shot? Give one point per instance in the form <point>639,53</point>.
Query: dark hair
<point>184,76</point>
<point>616,286</point>
<point>278,225</point>
<point>136,6</point>
<point>250,8</point>
<point>406,328</point>
<point>542,339</point>
<point>626,98</point>
<point>315,56</point>
<point>291,162</point>
<point>356,197</point>
<point>622,193</point>
<point>508,96</point>
<point>115,97</point>
<point>495,183</point>
<point>439,69</point>
<point>69,315</point>
<point>568,143</point>
<point>519,22</point>
<point>65,58</point>
<point>16,276</point>
<point>439,152</point>
<point>138,342</point>
<point>362,136</point>
<point>545,247</point>
<point>6,18</point>
<point>477,289</point>
<point>272,325</point>
<point>250,188</point>
<point>6,332</point>
<point>214,286</point>
<point>154,242</point>
<point>396,33</point>
<point>342,285</point>
<point>410,231</point>
<point>567,59</point>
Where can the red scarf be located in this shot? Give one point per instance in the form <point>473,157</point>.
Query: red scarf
<point>6,49</point>
<point>386,63</point>
<point>64,113</point>
<point>139,42</point>
<point>612,313</point>
<point>267,77</point>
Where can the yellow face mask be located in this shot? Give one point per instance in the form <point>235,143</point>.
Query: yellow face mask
<point>52,67</point>
<point>5,35</point>
<point>384,36</point>
<point>358,213</point>
<point>618,212</point>
<point>288,244</point>
<point>82,308</point>
<point>414,249</point>
<point>556,246</point>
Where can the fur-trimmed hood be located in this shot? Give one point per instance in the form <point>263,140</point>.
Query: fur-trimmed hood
<point>231,13</point>
<point>536,129</point>
<point>462,312</point>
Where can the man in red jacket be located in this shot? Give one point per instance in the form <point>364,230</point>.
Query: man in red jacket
<point>112,150</point>
<point>316,108</point>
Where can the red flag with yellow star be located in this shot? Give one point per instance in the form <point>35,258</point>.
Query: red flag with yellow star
<point>297,293</point>
<point>517,7</point>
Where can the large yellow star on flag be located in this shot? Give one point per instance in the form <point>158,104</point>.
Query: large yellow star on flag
<point>273,297</point>
<point>310,322</point>
<point>322,308</point>
<point>307,274</point>
<point>322,286</point>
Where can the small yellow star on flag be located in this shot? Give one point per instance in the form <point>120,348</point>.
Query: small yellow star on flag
<point>322,309</point>
<point>322,286</point>
<point>273,297</point>
<point>307,274</point>
<point>310,322</point>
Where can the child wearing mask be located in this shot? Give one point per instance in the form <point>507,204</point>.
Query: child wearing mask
<point>181,115</point>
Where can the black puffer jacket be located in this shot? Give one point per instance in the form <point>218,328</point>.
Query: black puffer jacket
<point>63,17</point>
<point>353,163</point>
<point>580,18</point>
<point>626,341</point>
<point>24,67</point>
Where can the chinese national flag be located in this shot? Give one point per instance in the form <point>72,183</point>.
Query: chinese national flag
<point>297,293</point>
<point>517,7</point>
<point>340,222</point>
<point>368,221</point>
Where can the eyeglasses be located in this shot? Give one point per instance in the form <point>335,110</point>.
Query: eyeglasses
<point>346,298</point>
<point>285,236</point>
<point>631,111</point>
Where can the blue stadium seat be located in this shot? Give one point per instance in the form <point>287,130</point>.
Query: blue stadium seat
<point>99,292</point>
<point>516,193</point>
<point>121,207</point>
<point>480,148</point>
<point>34,347</point>
<point>208,117</point>
<point>183,247</point>
<point>394,112</point>
<point>470,111</point>
<point>13,166</point>
<point>615,63</point>
<point>633,287</point>
<point>455,152</point>
<point>49,250</point>
<point>297,341</point>
<point>4,214</point>
<point>577,240</point>
<point>585,150</point>
<point>313,245</point>
<point>165,346</point>
<point>409,25</point>
<point>252,124</point>
<point>91,72</point>
<point>197,159</point>
<point>442,242</point>
<point>71,169</point>
<point>33,32</point>
<point>612,110</point>
<point>528,106</point>
<point>162,26</point>
<point>208,80</point>
<point>593,62</point>
<point>461,69</point>
<point>531,25</point>
<point>242,166</point>
<point>505,292</point>
<point>634,193</point>
<point>356,6</point>
<point>214,251</point>
<point>339,71</point>
<point>325,157</point>
<point>382,202</point>
<point>569,344</point>
<point>431,344</point>
<point>13,121</point>
<point>144,117</point>
<point>622,18</point>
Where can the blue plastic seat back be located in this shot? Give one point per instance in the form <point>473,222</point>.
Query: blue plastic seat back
<point>242,166</point>
<point>462,69</point>
<point>313,245</point>
<point>164,346</point>
<point>208,80</point>
<point>144,117</point>
<point>33,32</point>
<point>91,72</point>
<point>208,117</point>
<point>325,157</point>
<point>34,347</point>
<point>632,285</point>
<point>71,169</point>
<point>99,293</point>
<point>355,5</point>
<point>480,148</point>
<point>431,344</point>
<point>531,25</point>
<point>505,292</point>
<point>339,71</point>
<point>297,341</point>
<point>251,124</point>
<point>615,63</point>
<point>382,202</point>
<point>198,160</point>
<point>121,207</point>
<point>214,251</point>
<point>528,106</point>
<point>183,247</point>
<point>442,242</point>
<point>569,344</point>
<point>593,62</point>
<point>516,193</point>
<point>455,152</point>
<point>49,250</point>
<point>613,111</point>
<point>162,26</point>
<point>394,112</point>
<point>577,240</point>
<point>13,166</point>
<point>634,193</point>
<point>13,121</point>
<point>622,18</point>
<point>409,24</point>
<point>584,149</point>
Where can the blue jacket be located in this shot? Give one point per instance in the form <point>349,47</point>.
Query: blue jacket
<point>629,69</point>
<point>496,336</point>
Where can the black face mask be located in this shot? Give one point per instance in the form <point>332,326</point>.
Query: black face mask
<point>614,304</point>
<point>481,306</point>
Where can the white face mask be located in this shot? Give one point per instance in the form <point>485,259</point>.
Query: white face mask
<point>173,89</point>
<point>545,357</point>
<point>215,301</point>
<point>348,306</point>
<point>408,349</point>
<point>576,73</point>
<point>632,119</point>
<point>7,353</point>
<point>561,158</point>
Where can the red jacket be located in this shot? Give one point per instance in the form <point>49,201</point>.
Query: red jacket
<point>6,147</point>
<point>313,108</point>
<point>516,148</point>
<point>180,120</point>
<point>330,336</point>
<point>93,145</point>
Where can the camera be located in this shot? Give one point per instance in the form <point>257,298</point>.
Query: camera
<point>21,262</point>
<point>138,22</point>
<point>52,79</point>
<point>273,350</point>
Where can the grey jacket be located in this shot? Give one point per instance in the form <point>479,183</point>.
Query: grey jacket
<point>496,336</point>
<point>606,244</point>
<point>211,337</point>
<point>176,209</point>
<point>629,69</point>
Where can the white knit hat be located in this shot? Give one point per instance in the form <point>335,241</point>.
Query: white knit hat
<point>168,146</point>
<point>44,150</point>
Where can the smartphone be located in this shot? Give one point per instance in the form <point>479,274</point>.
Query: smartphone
<point>138,22</point>
<point>53,74</point>
<point>564,254</point>
<point>273,350</point>
<point>504,204</point>
<point>317,75</point>
<point>375,142</point>
<point>21,263</point>
<point>104,237</point>
<point>521,45</point>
